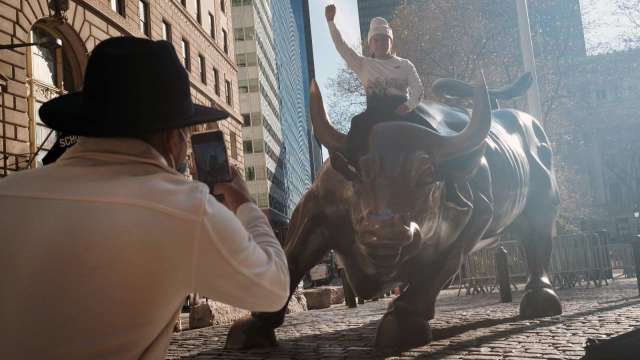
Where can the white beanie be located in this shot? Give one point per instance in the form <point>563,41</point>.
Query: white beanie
<point>379,26</point>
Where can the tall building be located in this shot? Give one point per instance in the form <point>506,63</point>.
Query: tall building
<point>263,142</point>
<point>303,24</point>
<point>293,87</point>
<point>30,76</point>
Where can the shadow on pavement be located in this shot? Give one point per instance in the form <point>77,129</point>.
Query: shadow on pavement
<point>356,342</point>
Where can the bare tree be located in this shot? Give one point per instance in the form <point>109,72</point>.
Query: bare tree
<point>630,9</point>
<point>346,99</point>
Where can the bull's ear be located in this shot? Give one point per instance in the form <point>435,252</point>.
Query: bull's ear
<point>340,164</point>
<point>462,168</point>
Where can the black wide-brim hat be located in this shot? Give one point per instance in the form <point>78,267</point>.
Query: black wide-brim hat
<point>132,86</point>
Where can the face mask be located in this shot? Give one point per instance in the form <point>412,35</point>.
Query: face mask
<point>181,167</point>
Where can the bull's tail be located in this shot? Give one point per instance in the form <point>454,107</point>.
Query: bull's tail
<point>452,88</point>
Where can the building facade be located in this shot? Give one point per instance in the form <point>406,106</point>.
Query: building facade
<point>263,141</point>
<point>30,76</point>
<point>601,142</point>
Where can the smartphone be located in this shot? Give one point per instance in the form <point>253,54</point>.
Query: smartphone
<point>210,155</point>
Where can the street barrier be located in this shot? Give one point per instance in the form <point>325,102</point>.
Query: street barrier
<point>582,259</point>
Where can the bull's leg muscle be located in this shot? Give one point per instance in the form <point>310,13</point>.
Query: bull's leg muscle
<point>305,246</point>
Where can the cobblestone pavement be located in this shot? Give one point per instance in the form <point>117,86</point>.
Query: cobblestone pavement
<point>465,327</point>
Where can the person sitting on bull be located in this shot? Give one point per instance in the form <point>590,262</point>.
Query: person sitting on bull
<point>392,84</point>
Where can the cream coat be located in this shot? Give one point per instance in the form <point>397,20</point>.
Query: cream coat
<point>99,250</point>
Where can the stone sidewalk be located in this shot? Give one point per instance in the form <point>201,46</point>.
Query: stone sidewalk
<point>465,327</point>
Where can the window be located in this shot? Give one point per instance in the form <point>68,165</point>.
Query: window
<point>227,84</point>
<point>203,69</point>
<point>241,2</point>
<point>184,3</point>
<point>199,12</point>
<point>212,26</point>
<point>256,119</point>
<point>247,146</point>
<point>258,146</point>
<point>233,138</point>
<point>247,33</point>
<point>223,6</point>
<point>166,31</point>
<point>186,54</point>
<point>244,60</point>
<point>216,81</point>
<point>246,120</point>
<point>261,173</point>
<point>250,173</point>
<point>143,15</point>
<point>247,86</point>
<point>225,41</point>
<point>118,6</point>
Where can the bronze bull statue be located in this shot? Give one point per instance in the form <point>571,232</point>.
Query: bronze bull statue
<point>416,204</point>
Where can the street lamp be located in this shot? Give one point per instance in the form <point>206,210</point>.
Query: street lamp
<point>635,244</point>
<point>48,43</point>
<point>636,215</point>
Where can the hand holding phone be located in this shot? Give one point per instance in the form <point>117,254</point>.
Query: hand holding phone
<point>235,192</point>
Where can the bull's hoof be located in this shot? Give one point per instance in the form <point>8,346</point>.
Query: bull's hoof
<point>537,303</point>
<point>400,333</point>
<point>249,333</point>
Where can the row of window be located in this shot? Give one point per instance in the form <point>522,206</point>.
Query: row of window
<point>202,63</point>
<point>145,24</point>
<point>256,119</point>
<point>241,2</point>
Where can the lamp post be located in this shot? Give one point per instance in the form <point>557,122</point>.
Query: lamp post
<point>49,43</point>
<point>636,215</point>
<point>635,243</point>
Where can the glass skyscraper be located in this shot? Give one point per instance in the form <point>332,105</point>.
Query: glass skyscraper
<point>262,137</point>
<point>293,105</point>
<point>274,75</point>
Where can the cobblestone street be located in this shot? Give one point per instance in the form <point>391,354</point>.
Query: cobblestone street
<point>465,327</point>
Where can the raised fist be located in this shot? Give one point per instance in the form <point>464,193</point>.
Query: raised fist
<point>330,12</point>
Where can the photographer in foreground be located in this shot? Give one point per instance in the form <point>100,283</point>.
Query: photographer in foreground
<point>100,248</point>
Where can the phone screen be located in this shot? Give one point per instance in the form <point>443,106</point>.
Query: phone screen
<point>210,155</point>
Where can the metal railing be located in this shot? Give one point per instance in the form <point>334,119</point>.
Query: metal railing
<point>576,260</point>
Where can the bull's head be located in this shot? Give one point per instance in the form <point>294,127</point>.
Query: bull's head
<point>402,199</point>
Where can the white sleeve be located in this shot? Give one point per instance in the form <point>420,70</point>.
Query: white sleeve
<point>238,260</point>
<point>416,90</point>
<point>353,59</point>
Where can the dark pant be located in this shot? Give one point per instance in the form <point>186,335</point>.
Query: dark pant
<point>379,110</point>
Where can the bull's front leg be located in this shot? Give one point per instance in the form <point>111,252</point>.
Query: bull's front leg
<point>406,323</point>
<point>305,246</point>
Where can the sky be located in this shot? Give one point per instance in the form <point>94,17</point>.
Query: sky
<point>326,58</point>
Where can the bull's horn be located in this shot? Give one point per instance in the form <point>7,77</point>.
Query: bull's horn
<point>328,136</point>
<point>474,134</point>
